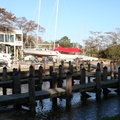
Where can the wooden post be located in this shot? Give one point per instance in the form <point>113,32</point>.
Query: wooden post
<point>83,76</point>
<point>62,64</point>
<point>32,70</point>
<point>54,79</point>
<point>70,68</point>
<point>19,67</point>
<point>104,78</point>
<point>114,64</point>
<point>17,87</point>
<point>76,64</point>
<point>101,66</point>
<point>83,63</point>
<point>16,83</point>
<point>69,63</point>
<point>31,84</point>
<point>98,65</point>
<point>51,70</point>
<point>60,80</point>
<point>84,95</point>
<point>88,79</point>
<point>68,90</point>
<point>119,81</point>
<point>112,69</point>
<point>4,78</point>
<point>89,66</point>
<point>44,67</point>
<point>105,74</point>
<point>14,71</point>
<point>98,85</point>
<point>54,85</point>
<point>53,66</point>
<point>81,67</point>
<point>39,83</point>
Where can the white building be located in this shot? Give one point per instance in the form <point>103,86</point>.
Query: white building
<point>13,42</point>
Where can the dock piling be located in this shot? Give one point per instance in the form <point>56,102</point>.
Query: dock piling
<point>39,83</point>
<point>60,79</point>
<point>4,77</point>
<point>98,85</point>
<point>68,90</point>
<point>31,83</point>
<point>119,80</point>
<point>16,87</point>
<point>54,85</point>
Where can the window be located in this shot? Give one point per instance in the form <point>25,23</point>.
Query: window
<point>6,38</point>
<point>11,38</point>
<point>18,37</point>
<point>1,37</point>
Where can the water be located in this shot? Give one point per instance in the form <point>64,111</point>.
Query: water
<point>90,110</point>
<point>81,110</point>
<point>87,110</point>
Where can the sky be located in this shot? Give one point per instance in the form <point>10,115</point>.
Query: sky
<point>75,18</point>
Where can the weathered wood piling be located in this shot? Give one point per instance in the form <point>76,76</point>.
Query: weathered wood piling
<point>55,78</point>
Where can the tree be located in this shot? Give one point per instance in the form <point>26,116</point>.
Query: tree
<point>94,43</point>
<point>64,42</point>
<point>6,20</point>
<point>21,23</point>
<point>29,28</point>
<point>113,37</point>
<point>9,22</point>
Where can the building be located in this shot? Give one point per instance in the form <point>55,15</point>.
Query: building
<point>12,42</point>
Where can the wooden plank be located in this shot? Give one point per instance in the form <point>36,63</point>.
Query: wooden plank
<point>23,97</point>
<point>50,93</point>
<point>109,83</point>
<point>83,87</point>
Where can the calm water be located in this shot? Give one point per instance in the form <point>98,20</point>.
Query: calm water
<point>81,110</point>
<point>87,110</point>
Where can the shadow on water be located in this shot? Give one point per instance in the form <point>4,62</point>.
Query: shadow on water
<point>87,109</point>
<point>84,110</point>
<point>81,110</point>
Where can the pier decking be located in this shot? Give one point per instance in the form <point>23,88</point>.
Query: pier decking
<point>56,89</point>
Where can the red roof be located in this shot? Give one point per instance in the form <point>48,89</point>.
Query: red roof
<point>62,49</point>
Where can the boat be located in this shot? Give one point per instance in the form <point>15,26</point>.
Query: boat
<point>40,52</point>
<point>5,57</point>
<point>56,55</point>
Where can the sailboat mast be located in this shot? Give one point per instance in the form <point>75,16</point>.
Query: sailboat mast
<point>38,22</point>
<point>56,22</point>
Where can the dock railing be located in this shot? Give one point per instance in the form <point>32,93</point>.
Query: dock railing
<point>101,83</point>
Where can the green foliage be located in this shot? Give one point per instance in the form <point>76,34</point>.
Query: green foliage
<point>112,52</point>
<point>92,52</point>
<point>103,53</point>
<point>64,42</point>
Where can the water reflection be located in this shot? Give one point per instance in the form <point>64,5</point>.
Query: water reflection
<point>82,110</point>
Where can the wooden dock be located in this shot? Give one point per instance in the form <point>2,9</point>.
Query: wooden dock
<point>56,90</point>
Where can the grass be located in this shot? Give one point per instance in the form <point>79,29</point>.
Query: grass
<point>116,117</point>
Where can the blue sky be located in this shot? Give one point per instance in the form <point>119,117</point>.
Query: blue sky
<point>76,18</point>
